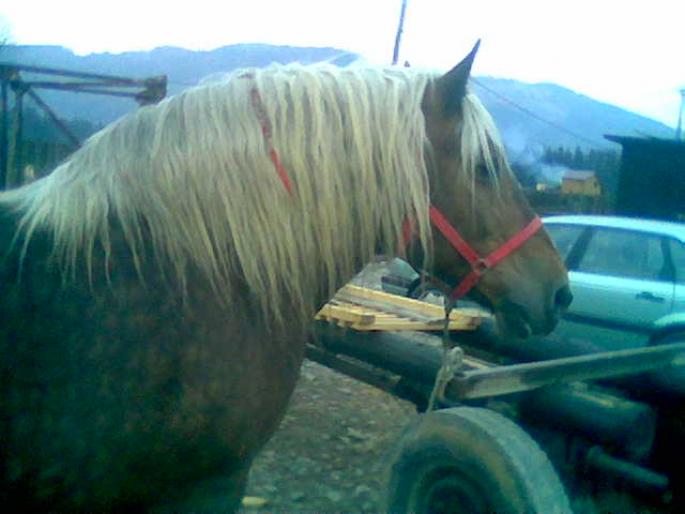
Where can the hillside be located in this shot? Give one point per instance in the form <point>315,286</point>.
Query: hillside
<point>574,119</point>
<point>571,119</point>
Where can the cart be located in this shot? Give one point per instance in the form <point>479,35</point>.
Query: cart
<point>510,433</point>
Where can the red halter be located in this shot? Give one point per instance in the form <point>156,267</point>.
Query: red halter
<point>479,265</point>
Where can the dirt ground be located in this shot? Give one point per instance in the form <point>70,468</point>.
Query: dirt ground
<point>331,451</point>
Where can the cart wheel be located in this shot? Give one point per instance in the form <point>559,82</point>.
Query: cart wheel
<point>670,438</point>
<point>670,380</point>
<point>472,460</point>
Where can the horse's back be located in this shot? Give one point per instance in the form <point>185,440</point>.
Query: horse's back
<point>116,394</point>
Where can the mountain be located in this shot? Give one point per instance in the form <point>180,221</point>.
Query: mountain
<point>530,116</point>
<point>184,68</point>
<point>533,116</point>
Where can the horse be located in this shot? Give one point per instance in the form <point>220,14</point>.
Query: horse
<point>158,286</point>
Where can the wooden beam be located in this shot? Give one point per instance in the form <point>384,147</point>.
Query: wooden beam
<point>362,294</point>
<point>367,309</point>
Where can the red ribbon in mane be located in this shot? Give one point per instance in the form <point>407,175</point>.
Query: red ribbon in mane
<point>266,132</point>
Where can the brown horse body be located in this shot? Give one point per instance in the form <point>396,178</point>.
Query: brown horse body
<point>124,392</point>
<point>121,396</point>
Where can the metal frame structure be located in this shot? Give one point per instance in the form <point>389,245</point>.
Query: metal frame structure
<point>144,91</point>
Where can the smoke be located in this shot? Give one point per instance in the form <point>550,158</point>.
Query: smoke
<point>526,157</point>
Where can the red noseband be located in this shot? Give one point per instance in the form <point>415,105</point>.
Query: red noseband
<point>479,265</point>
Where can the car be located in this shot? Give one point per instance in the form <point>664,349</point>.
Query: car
<point>627,276</point>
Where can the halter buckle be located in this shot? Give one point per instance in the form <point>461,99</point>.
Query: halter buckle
<point>480,266</point>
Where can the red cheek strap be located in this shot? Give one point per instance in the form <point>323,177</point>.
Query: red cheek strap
<point>479,265</point>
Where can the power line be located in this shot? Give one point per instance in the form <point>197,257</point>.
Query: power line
<point>534,115</point>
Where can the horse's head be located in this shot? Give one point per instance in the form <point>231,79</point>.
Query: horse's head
<point>528,287</point>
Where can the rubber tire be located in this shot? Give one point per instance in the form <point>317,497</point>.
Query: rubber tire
<point>472,460</point>
<point>671,428</point>
<point>670,379</point>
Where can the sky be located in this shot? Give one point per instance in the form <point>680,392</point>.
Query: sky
<point>629,53</point>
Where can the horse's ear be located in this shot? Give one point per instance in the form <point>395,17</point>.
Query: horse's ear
<point>452,85</point>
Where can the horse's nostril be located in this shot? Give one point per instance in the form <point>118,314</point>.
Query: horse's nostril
<point>563,298</point>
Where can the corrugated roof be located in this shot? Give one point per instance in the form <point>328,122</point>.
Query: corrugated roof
<point>645,141</point>
<point>579,174</point>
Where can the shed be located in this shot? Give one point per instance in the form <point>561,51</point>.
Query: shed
<point>651,180</point>
<point>580,182</point>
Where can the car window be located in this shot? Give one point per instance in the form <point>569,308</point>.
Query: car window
<point>564,237</point>
<point>678,257</point>
<point>623,253</point>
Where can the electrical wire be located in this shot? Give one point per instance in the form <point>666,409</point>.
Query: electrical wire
<point>536,116</point>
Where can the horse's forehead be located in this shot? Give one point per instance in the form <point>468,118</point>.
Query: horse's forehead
<point>429,102</point>
<point>442,131</point>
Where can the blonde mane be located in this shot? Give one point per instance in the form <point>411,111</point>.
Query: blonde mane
<point>191,179</point>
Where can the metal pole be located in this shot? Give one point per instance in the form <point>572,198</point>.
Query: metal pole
<point>398,36</point>
<point>531,375</point>
<point>4,143</point>
<point>678,130</point>
<point>77,74</point>
<point>94,91</point>
<point>75,143</point>
<point>14,171</point>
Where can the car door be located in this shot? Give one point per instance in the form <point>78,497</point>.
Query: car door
<point>621,284</point>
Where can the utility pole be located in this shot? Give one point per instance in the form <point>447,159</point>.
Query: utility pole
<point>398,36</point>
<point>679,129</point>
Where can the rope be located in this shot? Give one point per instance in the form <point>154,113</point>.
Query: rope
<point>452,359</point>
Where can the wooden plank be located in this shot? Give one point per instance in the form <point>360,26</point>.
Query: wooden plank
<point>366,310</point>
<point>363,294</point>
<point>340,313</point>
<point>385,321</point>
<point>399,324</point>
<point>416,306</point>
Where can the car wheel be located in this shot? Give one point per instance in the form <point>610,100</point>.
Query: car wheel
<point>671,428</point>
<point>472,460</point>
<point>670,381</point>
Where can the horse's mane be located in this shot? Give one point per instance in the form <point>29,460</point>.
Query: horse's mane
<point>191,183</point>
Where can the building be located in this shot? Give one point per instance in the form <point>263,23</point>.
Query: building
<point>576,182</point>
<point>651,183</point>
